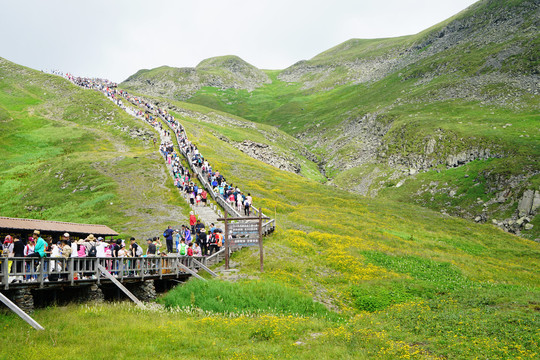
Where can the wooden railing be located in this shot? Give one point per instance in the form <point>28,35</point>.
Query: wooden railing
<point>49,271</point>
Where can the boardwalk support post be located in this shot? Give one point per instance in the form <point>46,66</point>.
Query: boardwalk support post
<point>122,287</point>
<point>189,271</point>
<point>17,310</point>
<point>204,267</point>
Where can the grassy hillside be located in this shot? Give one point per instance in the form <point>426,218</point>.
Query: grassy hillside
<point>376,111</point>
<point>397,280</point>
<point>66,154</point>
<point>346,276</point>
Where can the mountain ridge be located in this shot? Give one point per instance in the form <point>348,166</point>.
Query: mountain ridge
<point>222,72</point>
<point>385,116</point>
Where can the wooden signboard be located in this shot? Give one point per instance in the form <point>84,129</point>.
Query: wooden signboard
<point>246,232</point>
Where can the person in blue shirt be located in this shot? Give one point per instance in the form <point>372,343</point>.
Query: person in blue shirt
<point>168,238</point>
<point>177,236</point>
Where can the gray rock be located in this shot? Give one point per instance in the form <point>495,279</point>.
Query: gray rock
<point>536,202</point>
<point>430,146</point>
<point>526,203</point>
<point>478,219</point>
<point>528,226</point>
<point>266,154</point>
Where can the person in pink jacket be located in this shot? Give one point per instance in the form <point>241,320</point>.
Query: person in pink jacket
<point>82,249</point>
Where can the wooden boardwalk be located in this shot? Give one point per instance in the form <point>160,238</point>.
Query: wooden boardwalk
<point>16,273</point>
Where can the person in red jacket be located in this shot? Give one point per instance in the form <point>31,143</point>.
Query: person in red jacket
<point>192,221</point>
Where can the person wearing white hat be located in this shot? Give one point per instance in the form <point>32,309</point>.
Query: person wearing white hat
<point>100,247</point>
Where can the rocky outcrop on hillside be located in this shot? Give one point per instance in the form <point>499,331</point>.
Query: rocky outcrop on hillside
<point>226,72</point>
<point>432,157</point>
<point>527,209</point>
<point>529,203</point>
<point>266,154</point>
<point>356,141</point>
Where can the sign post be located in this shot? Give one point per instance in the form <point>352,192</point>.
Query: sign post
<point>248,232</point>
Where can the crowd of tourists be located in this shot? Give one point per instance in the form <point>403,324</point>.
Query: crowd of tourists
<point>183,178</point>
<point>193,240</point>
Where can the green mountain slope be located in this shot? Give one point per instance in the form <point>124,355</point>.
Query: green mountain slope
<point>66,154</point>
<point>409,110</point>
<point>223,72</point>
<point>395,279</point>
<point>262,142</point>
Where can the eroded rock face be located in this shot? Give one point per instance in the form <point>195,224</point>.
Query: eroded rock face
<point>144,291</point>
<point>267,155</point>
<point>529,203</point>
<point>355,142</point>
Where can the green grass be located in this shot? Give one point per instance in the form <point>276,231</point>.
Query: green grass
<point>405,280</point>
<point>251,297</point>
<point>63,157</point>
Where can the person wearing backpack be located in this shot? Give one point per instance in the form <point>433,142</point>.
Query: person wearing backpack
<point>247,204</point>
<point>135,252</point>
<point>182,250</point>
<point>219,238</point>
<point>168,235</point>
<point>135,249</point>
<point>202,240</point>
<point>90,243</point>
<point>214,239</point>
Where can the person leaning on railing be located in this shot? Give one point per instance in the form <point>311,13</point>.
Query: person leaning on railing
<point>40,245</point>
<point>7,247</point>
<point>13,247</point>
<point>7,251</point>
